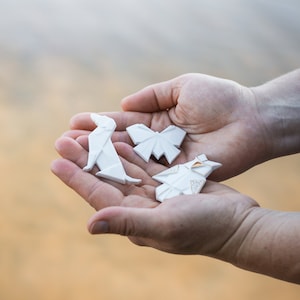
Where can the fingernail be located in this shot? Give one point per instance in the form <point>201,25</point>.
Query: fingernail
<point>99,227</point>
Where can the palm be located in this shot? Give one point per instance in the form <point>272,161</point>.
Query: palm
<point>197,224</point>
<point>218,115</point>
<point>208,114</point>
<point>211,110</point>
<point>181,234</point>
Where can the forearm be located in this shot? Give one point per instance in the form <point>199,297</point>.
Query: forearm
<point>268,242</point>
<point>278,104</point>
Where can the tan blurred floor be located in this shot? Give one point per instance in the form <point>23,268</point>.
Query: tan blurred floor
<point>58,58</point>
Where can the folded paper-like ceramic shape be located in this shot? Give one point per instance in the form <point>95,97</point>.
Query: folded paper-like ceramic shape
<point>103,154</point>
<point>184,179</point>
<point>161,143</point>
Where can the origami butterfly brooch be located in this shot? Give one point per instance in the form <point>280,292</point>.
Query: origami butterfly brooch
<point>161,143</point>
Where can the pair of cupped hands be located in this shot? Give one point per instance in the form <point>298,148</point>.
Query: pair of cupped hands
<point>221,120</point>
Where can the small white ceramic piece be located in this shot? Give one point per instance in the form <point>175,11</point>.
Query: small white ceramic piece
<point>103,153</point>
<point>161,143</point>
<point>184,179</point>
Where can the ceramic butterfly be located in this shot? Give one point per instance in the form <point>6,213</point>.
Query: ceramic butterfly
<point>161,143</point>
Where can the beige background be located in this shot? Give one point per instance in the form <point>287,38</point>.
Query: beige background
<point>58,58</point>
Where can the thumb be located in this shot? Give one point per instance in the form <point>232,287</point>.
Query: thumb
<point>126,221</point>
<point>155,97</point>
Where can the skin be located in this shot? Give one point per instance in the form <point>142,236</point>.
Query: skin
<point>237,126</point>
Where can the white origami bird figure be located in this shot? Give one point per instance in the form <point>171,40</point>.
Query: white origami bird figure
<point>184,179</point>
<point>103,153</point>
<point>161,143</point>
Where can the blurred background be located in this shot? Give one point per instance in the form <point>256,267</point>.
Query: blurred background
<point>61,57</point>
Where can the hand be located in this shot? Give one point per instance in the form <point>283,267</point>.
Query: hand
<point>222,120</point>
<point>219,116</point>
<point>197,224</point>
<point>219,222</point>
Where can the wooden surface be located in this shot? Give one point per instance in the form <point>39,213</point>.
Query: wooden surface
<point>58,58</point>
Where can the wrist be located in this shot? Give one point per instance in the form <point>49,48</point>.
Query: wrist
<point>278,106</point>
<point>266,242</point>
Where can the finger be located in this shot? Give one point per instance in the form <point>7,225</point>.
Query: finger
<point>117,137</point>
<point>70,149</point>
<point>126,221</point>
<point>153,98</point>
<point>83,121</point>
<point>81,136</point>
<point>83,142</point>
<point>126,119</point>
<point>74,150</point>
<point>74,134</point>
<point>97,193</point>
